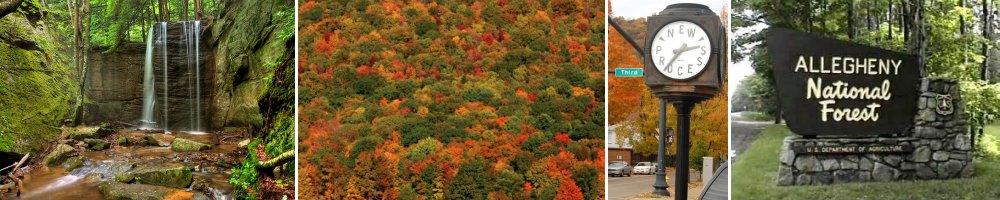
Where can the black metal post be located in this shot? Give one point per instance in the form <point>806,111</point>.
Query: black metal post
<point>683,108</point>
<point>660,184</point>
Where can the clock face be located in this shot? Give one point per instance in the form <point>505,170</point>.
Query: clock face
<point>680,50</point>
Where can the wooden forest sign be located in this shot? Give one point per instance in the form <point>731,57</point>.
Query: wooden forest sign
<point>831,87</point>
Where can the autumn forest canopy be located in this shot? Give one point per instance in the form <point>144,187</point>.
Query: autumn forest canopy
<point>452,99</point>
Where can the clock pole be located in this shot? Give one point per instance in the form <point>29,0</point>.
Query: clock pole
<point>683,108</point>
<point>660,184</point>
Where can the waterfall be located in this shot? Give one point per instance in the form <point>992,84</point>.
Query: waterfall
<point>163,35</point>
<point>148,92</point>
<point>197,71</point>
<point>186,43</point>
<point>192,33</point>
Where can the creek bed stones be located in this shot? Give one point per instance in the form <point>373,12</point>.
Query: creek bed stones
<point>162,140</point>
<point>169,176</point>
<point>185,145</point>
<point>96,144</point>
<point>122,191</point>
<point>94,132</point>
<point>58,155</point>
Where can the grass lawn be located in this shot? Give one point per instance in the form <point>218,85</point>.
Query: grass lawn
<point>753,176</point>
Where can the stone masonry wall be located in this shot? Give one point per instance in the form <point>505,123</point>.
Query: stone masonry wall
<point>940,144</point>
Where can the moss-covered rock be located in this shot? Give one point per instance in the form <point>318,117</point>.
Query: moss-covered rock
<point>58,155</point>
<point>133,139</point>
<point>93,132</point>
<point>74,162</point>
<point>122,191</point>
<point>37,90</point>
<point>170,176</point>
<point>96,144</point>
<point>124,177</point>
<point>162,140</point>
<point>122,141</point>
<point>185,145</point>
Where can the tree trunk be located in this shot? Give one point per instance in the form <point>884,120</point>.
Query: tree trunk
<point>8,6</point>
<point>961,19</point>
<point>850,20</point>
<point>198,9</point>
<point>917,42</point>
<point>164,12</point>
<point>82,46</point>
<point>184,10</point>
<point>276,161</point>
<point>986,34</point>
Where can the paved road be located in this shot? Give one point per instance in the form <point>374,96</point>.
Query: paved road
<point>744,132</point>
<point>620,188</point>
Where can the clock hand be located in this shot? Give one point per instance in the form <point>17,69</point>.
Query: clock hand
<point>692,48</point>
<point>677,53</point>
<point>681,49</point>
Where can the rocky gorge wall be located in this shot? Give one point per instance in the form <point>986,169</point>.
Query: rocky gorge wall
<point>938,147</point>
<point>252,40</point>
<point>114,84</point>
<point>38,86</point>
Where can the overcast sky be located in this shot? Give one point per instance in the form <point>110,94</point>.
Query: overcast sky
<point>631,9</point>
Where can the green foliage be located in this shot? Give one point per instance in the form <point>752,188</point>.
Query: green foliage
<point>244,176</point>
<point>368,84</point>
<point>981,102</point>
<point>470,182</point>
<point>477,94</point>
<point>587,178</point>
<point>29,7</point>
<point>422,149</point>
<point>508,182</point>
<point>698,151</point>
<point>281,138</point>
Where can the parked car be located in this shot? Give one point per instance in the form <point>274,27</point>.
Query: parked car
<point>644,168</point>
<point>619,168</point>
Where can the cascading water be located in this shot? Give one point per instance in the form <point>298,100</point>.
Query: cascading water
<point>166,97</point>
<point>191,38</point>
<point>148,92</point>
<point>183,74</point>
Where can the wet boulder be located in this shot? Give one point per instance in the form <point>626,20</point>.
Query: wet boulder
<point>96,144</point>
<point>133,138</point>
<point>185,145</point>
<point>90,132</point>
<point>93,178</point>
<point>162,140</point>
<point>58,155</point>
<point>170,176</point>
<point>74,162</point>
<point>124,177</point>
<point>122,191</point>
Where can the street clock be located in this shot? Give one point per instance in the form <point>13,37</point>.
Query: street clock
<point>684,48</point>
<point>680,50</point>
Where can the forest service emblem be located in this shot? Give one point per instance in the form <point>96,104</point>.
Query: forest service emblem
<point>944,104</point>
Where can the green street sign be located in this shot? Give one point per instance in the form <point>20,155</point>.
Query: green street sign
<point>628,72</point>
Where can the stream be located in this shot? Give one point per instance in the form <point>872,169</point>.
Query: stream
<point>99,166</point>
